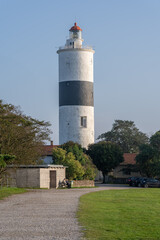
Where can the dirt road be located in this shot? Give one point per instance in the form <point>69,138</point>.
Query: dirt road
<point>43,214</point>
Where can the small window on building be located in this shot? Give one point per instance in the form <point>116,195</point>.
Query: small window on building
<point>84,122</point>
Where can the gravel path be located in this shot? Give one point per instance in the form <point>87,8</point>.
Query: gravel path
<point>43,214</point>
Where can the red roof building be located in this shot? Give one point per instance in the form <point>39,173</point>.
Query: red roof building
<point>126,169</point>
<point>48,149</point>
<point>129,158</point>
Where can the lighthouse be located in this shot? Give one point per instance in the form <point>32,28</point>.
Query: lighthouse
<point>76,99</point>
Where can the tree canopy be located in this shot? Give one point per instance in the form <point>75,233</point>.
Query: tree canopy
<point>106,156</point>
<point>74,169</point>
<point>148,159</point>
<point>155,142</point>
<point>126,135</point>
<point>79,164</point>
<point>21,135</point>
<point>82,157</point>
<point>5,159</point>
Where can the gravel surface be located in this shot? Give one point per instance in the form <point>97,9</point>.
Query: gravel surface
<point>43,214</point>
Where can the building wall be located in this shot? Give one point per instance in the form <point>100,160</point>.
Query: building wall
<point>70,124</point>
<point>33,177</point>
<point>9,178</point>
<point>118,173</point>
<point>44,178</point>
<point>76,64</point>
<point>28,177</point>
<point>61,174</point>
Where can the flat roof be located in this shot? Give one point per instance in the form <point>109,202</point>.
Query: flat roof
<point>37,166</point>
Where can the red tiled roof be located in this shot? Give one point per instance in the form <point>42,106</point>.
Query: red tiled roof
<point>129,158</point>
<point>48,149</point>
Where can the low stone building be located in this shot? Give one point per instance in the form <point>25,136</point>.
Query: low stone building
<point>125,169</point>
<point>35,176</point>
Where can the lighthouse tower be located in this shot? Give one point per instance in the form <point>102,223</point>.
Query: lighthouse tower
<point>76,105</point>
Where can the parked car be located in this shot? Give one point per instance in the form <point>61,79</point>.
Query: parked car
<point>150,183</point>
<point>138,181</point>
<point>131,180</point>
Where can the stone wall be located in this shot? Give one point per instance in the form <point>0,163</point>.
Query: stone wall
<point>28,177</point>
<point>82,183</point>
<point>9,178</point>
<point>44,178</point>
<point>61,175</point>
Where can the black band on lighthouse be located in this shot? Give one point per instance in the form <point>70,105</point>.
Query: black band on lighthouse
<point>76,93</point>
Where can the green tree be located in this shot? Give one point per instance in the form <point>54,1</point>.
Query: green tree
<point>155,142</point>
<point>106,156</point>
<point>77,150</point>
<point>59,155</point>
<point>126,135</point>
<point>82,157</point>
<point>5,159</point>
<point>74,168</point>
<point>145,160</point>
<point>21,135</point>
<point>148,159</point>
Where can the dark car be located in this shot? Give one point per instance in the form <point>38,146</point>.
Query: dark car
<point>150,183</point>
<point>131,181</point>
<point>138,181</point>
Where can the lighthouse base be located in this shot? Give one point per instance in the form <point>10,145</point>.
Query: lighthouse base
<point>76,123</point>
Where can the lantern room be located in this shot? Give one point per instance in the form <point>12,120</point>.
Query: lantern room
<point>75,32</point>
<point>75,37</point>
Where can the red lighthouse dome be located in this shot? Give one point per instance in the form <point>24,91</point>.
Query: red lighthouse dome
<point>75,28</point>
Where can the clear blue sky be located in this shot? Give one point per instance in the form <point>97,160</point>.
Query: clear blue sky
<point>126,38</point>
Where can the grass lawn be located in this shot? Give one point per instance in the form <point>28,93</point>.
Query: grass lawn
<point>5,192</point>
<point>121,214</point>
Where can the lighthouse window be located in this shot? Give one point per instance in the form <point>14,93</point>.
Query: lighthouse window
<point>84,122</point>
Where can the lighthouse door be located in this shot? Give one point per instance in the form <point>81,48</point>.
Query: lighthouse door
<point>52,179</point>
